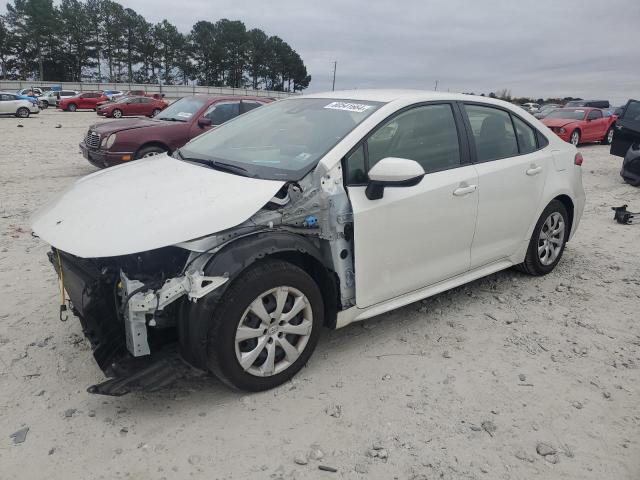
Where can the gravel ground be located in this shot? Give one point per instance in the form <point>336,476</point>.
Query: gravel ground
<point>509,377</point>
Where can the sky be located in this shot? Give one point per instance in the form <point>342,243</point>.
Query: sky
<point>535,48</point>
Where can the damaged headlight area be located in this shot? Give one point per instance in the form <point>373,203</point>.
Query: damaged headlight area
<point>129,305</point>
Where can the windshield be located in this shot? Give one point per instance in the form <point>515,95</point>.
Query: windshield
<point>283,140</point>
<point>567,113</point>
<point>182,110</point>
<point>575,103</point>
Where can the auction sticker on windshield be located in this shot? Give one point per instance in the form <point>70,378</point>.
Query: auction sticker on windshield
<point>349,107</point>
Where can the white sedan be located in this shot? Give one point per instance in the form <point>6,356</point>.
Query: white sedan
<point>11,104</point>
<point>313,211</point>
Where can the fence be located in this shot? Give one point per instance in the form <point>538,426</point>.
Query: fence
<point>170,91</point>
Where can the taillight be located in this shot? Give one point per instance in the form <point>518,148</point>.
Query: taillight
<point>578,159</point>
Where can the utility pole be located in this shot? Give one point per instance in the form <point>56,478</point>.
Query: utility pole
<point>436,86</point>
<point>335,66</point>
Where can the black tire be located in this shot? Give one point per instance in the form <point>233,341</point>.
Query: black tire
<point>117,113</point>
<point>72,107</point>
<point>23,112</point>
<point>576,131</point>
<point>532,263</point>
<point>605,140</point>
<point>45,104</point>
<point>217,327</point>
<point>149,151</point>
<point>155,112</point>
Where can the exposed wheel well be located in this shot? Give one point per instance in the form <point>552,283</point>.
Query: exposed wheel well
<point>568,204</point>
<point>326,280</point>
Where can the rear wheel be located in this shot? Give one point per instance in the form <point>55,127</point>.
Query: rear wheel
<point>155,112</point>
<point>116,113</point>
<point>608,137</point>
<point>23,112</point>
<point>72,107</point>
<point>150,151</point>
<point>547,240</point>
<point>45,104</point>
<point>265,327</point>
<point>575,138</point>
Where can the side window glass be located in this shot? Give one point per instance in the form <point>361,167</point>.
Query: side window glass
<point>631,112</point>
<point>425,134</point>
<point>526,136</point>
<point>594,114</point>
<point>356,167</point>
<point>247,106</point>
<point>222,112</point>
<point>492,132</point>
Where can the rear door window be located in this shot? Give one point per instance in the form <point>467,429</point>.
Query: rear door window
<point>492,132</point>
<point>526,136</point>
<point>248,105</point>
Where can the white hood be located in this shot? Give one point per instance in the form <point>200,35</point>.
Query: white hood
<point>148,204</point>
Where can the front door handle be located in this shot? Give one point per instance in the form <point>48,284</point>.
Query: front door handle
<point>459,192</point>
<point>534,171</point>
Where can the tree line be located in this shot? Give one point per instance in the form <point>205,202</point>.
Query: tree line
<point>100,40</point>
<point>505,94</point>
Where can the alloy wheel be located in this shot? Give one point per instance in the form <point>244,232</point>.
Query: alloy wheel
<point>273,331</point>
<point>551,239</point>
<point>575,138</point>
<point>117,114</point>
<point>23,113</point>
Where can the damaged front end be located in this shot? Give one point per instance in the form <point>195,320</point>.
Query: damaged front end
<point>118,298</point>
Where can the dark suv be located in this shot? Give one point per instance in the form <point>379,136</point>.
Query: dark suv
<point>626,142</point>
<point>120,141</point>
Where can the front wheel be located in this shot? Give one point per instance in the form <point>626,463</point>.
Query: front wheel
<point>265,327</point>
<point>608,137</point>
<point>548,240</point>
<point>151,151</point>
<point>575,138</point>
<point>117,113</point>
<point>155,112</point>
<point>23,112</point>
<point>45,104</point>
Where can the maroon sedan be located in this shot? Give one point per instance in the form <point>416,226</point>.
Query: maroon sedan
<point>112,143</point>
<point>132,106</point>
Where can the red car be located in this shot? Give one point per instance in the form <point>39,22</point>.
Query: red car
<point>142,93</point>
<point>82,101</point>
<point>582,125</point>
<point>132,106</point>
<point>112,143</point>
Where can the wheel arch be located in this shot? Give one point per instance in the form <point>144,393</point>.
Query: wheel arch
<point>239,255</point>
<point>569,205</point>
<point>153,143</point>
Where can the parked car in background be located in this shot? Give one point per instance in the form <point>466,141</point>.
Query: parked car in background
<point>142,93</point>
<point>111,143</point>
<point>12,104</point>
<point>531,107</point>
<point>30,92</point>
<point>315,211</point>
<point>82,101</point>
<point>132,106</point>
<point>545,110</point>
<point>113,94</point>
<point>52,97</point>
<point>588,103</point>
<point>626,142</point>
<point>581,125</point>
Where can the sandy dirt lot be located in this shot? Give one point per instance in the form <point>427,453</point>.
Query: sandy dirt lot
<point>465,385</point>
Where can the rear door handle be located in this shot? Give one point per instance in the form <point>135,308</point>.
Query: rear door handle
<point>459,192</point>
<point>534,171</point>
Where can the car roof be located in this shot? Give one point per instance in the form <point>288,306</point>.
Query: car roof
<point>227,97</point>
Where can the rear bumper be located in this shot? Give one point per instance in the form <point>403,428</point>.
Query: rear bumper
<point>102,159</point>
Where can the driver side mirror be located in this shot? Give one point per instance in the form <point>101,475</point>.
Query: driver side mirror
<point>392,172</point>
<point>204,122</point>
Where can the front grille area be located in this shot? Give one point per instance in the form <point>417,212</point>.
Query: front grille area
<point>92,140</point>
